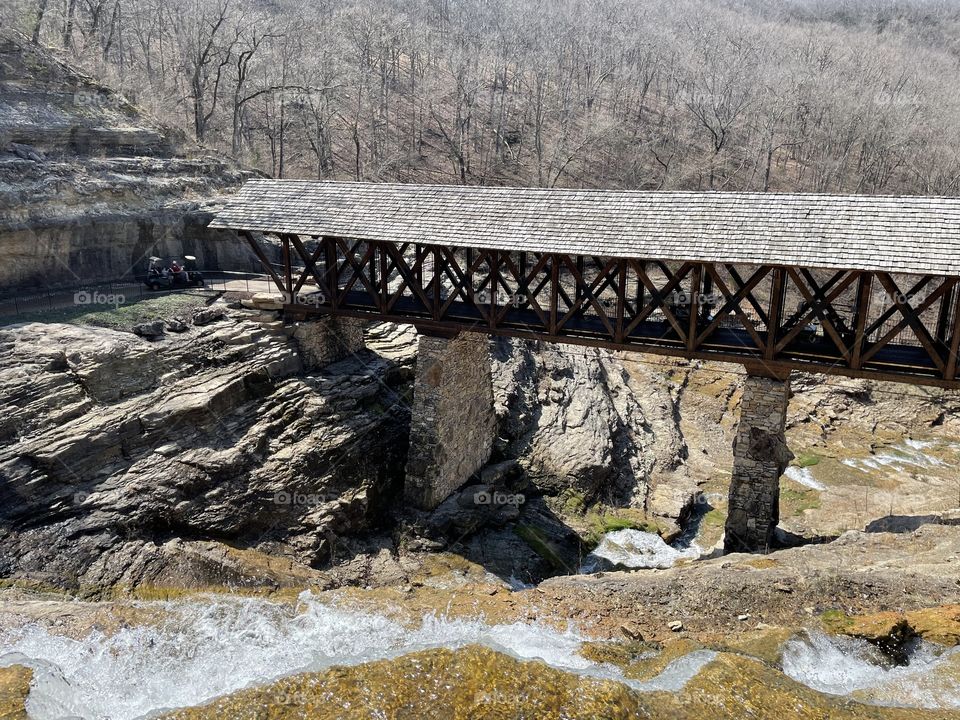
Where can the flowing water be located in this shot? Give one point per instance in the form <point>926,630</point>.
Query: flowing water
<point>635,549</point>
<point>206,649</point>
<point>847,666</point>
<point>804,476</point>
<point>209,647</point>
<point>910,454</point>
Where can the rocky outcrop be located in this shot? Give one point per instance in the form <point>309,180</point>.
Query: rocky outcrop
<point>115,449</point>
<point>580,420</point>
<point>476,681</point>
<point>89,187</point>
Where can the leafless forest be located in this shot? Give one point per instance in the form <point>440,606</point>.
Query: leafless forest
<point>810,95</point>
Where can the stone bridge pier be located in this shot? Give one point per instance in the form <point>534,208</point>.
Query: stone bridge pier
<point>328,339</point>
<point>760,455</point>
<point>453,423</point>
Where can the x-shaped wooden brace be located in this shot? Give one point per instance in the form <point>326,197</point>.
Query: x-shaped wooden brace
<point>349,255</point>
<point>734,302</point>
<point>588,293</point>
<point>523,286</point>
<point>911,317</point>
<point>309,263</point>
<point>658,296</point>
<point>408,274</point>
<point>817,301</point>
<point>461,281</point>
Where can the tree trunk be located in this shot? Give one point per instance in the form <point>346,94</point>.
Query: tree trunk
<point>41,11</point>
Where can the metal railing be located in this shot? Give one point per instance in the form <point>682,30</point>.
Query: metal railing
<point>104,295</point>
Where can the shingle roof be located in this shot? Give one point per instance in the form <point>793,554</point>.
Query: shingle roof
<point>856,232</point>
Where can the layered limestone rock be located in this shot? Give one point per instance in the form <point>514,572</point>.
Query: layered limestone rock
<point>118,452</point>
<point>89,187</point>
<point>591,422</point>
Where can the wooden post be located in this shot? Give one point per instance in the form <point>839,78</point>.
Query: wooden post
<point>554,293</point>
<point>864,292</point>
<point>775,316</point>
<point>331,271</point>
<point>694,306</point>
<point>952,362</point>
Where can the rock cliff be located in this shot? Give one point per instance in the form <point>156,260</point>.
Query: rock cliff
<point>119,452</point>
<point>89,186</point>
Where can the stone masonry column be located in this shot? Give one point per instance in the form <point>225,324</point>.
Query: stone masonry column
<point>327,339</point>
<point>760,455</point>
<point>453,423</point>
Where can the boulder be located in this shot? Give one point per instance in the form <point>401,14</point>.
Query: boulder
<point>208,315</point>
<point>26,152</point>
<point>267,301</point>
<point>149,330</point>
<point>177,325</point>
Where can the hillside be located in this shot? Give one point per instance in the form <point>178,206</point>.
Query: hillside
<point>805,95</point>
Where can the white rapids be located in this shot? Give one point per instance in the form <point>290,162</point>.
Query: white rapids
<point>804,476</point>
<point>901,457</point>
<point>848,666</point>
<point>636,549</point>
<point>214,646</point>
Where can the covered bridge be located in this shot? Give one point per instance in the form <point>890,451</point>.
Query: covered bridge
<point>865,286</point>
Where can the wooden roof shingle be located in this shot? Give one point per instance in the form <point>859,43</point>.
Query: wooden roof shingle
<point>905,234</point>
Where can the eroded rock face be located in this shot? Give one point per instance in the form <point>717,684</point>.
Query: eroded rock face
<point>114,446</point>
<point>89,187</point>
<point>578,421</point>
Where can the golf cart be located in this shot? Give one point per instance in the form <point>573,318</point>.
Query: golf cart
<point>174,275</point>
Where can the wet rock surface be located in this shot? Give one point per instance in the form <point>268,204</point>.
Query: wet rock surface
<point>479,682</point>
<point>14,688</point>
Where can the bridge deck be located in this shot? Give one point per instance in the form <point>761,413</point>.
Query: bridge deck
<point>862,286</point>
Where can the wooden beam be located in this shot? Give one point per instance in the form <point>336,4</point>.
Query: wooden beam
<point>952,356</point>
<point>287,269</point>
<point>910,375</point>
<point>621,298</point>
<point>775,316</point>
<point>332,270</point>
<point>554,292</point>
<point>696,282</point>
<point>258,251</point>
<point>864,291</point>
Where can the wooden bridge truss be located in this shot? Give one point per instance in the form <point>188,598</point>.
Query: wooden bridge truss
<point>772,318</point>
